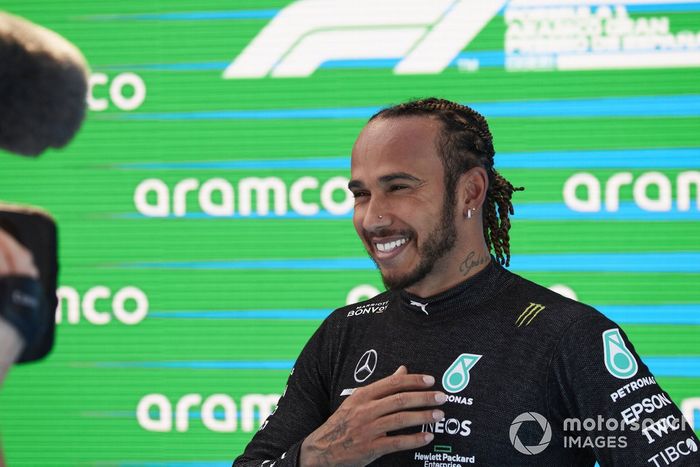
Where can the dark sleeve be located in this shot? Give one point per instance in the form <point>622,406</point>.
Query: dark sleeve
<point>303,407</point>
<point>597,379</point>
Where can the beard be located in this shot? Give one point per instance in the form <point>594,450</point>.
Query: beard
<point>438,243</point>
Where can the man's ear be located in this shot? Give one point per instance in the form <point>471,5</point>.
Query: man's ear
<point>472,186</point>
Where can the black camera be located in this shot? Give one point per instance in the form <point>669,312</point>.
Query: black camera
<point>30,304</point>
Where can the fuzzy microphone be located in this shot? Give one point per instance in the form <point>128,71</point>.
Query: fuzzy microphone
<point>43,87</point>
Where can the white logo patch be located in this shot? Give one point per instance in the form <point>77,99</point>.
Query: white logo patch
<point>420,305</point>
<point>366,366</point>
<point>427,36</point>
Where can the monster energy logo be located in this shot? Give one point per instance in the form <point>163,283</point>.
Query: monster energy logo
<point>529,314</point>
<point>619,361</point>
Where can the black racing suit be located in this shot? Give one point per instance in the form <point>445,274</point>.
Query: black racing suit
<point>533,378</point>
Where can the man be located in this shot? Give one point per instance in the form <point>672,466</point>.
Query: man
<point>492,369</point>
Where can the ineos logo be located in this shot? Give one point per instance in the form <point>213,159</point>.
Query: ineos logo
<point>366,365</point>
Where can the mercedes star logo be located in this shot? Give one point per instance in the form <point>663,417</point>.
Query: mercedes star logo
<point>366,365</point>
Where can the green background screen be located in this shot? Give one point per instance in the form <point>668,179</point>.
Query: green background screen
<point>205,225</point>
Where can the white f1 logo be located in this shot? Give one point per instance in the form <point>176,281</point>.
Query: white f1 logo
<point>425,34</point>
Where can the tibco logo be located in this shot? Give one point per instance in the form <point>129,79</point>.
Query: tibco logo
<point>427,36</point>
<point>216,196</point>
<point>117,95</point>
<point>661,202</point>
<point>129,305</point>
<point>218,412</point>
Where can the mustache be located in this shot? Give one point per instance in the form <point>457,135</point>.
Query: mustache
<point>389,233</point>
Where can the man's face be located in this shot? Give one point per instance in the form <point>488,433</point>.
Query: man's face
<point>401,212</point>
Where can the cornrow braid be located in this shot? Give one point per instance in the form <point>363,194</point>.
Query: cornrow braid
<point>466,142</point>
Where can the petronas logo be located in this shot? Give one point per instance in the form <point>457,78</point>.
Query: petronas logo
<point>456,377</point>
<point>619,361</point>
<point>529,314</point>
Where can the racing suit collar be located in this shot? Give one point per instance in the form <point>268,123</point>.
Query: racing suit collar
<point>471,292</point>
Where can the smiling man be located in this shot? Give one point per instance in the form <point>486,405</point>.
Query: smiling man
<point>460,361</point>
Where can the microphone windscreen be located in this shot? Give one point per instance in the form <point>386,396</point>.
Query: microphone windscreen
<point>43,87</point>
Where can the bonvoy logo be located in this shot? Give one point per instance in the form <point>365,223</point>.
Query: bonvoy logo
<point>370,308</point>
<point>427,36</point>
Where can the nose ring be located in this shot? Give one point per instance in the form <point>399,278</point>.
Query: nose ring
<point>381,217</point>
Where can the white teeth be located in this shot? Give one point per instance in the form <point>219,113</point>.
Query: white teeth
<point>389,246</point>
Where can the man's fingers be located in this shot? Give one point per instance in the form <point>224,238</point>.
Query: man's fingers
<point>4,264</point>
<point>396,383</point>
<point>15,259</point>
<point>399,420</point>
<point>407,400</point>
<point>389,444</point>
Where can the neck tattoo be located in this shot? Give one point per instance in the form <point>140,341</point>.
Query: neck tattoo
<point>471,262</point>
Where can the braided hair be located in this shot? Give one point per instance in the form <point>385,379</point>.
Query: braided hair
<point>465,143</point>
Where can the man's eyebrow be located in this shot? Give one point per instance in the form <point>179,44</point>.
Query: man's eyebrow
<point>386,179</point>
<point>398,176</point>
<point>355,184</point>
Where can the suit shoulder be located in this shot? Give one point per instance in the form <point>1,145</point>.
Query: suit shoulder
<point>375,305</point>
<point>548,308</point>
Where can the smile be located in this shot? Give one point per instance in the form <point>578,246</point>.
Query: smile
<point>385,248</point>
<point>389,246</point>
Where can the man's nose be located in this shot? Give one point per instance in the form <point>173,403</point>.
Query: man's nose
<point>377,215</point>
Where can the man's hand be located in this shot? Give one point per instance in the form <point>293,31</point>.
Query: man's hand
<point>15,260</point>
<point>356,434</point>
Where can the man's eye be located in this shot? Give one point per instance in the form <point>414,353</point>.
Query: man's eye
<point>397,187</point>
<point>359,194</point>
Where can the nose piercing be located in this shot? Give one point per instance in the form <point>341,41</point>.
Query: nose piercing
<point>381,217</point>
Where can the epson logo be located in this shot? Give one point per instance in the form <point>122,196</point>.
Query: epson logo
<point>660,201</point>
<point>371,308</point>
<point>646,405</point>
<point>218,412</point>
<point>130,100</point>
<point>450,426</point>
<point>216,197</point>
<point>129,305</point>
<point>426,36</point>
